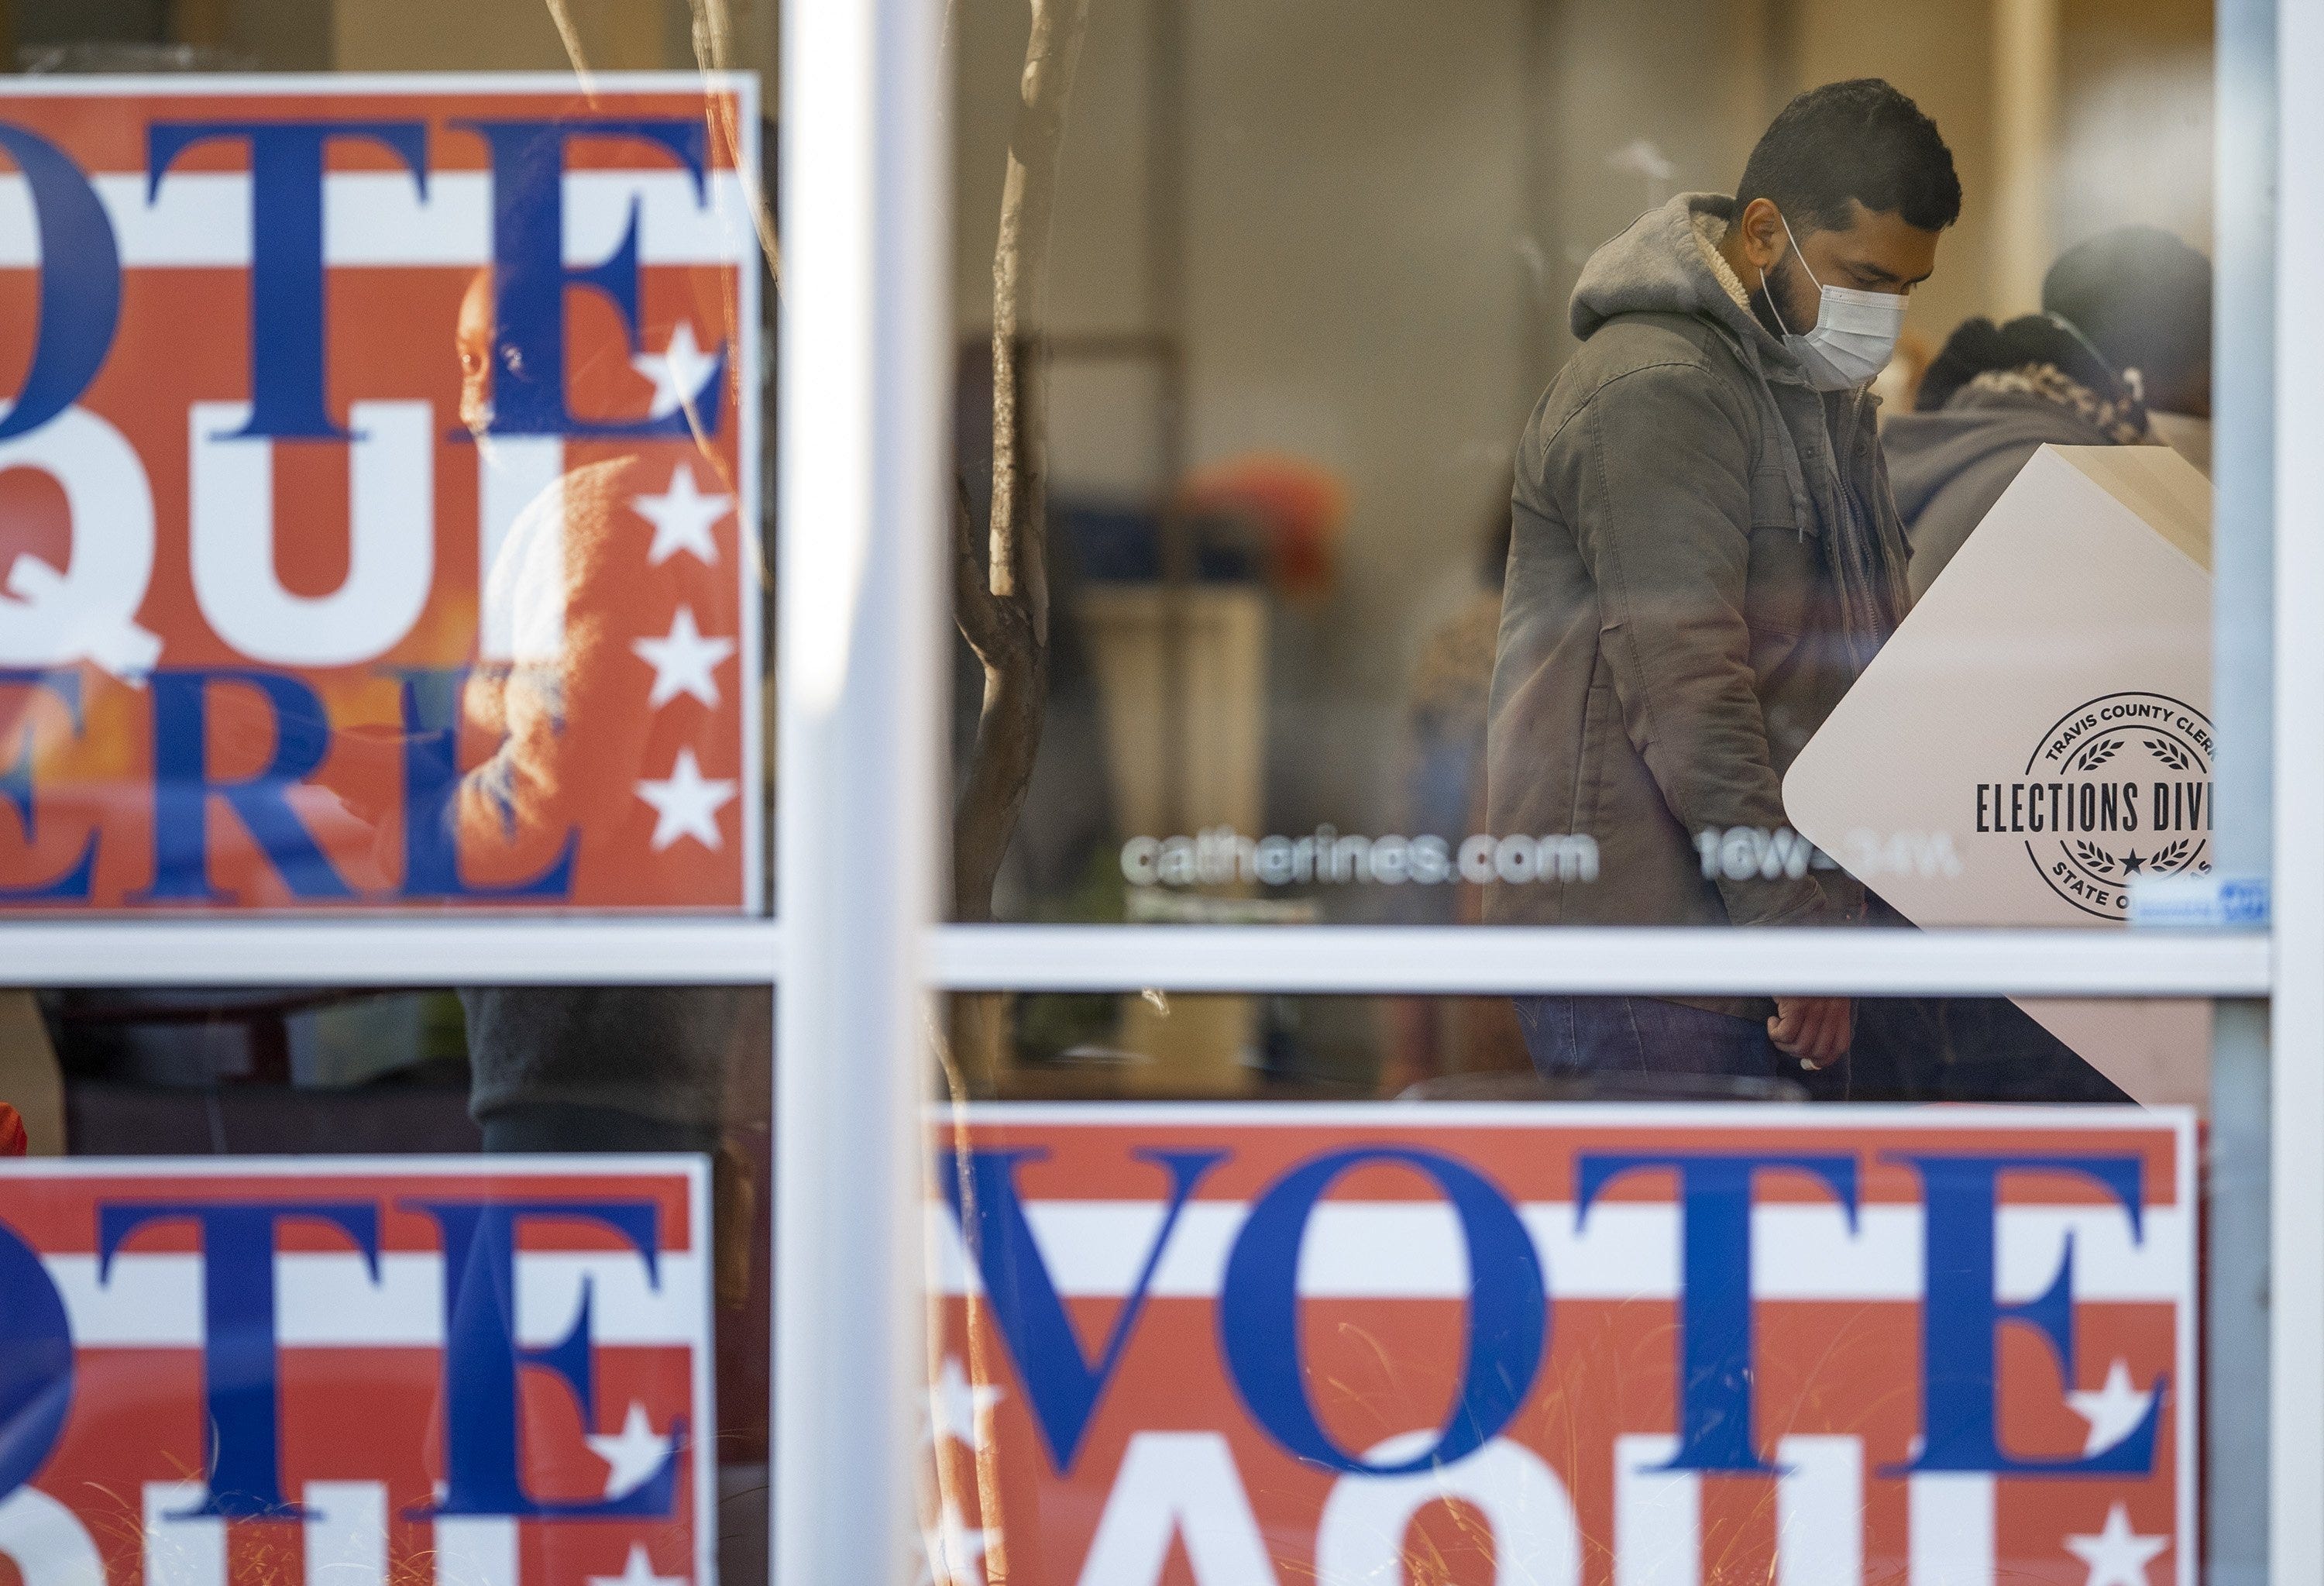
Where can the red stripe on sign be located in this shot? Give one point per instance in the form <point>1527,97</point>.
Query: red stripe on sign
<point>1940,1404</point>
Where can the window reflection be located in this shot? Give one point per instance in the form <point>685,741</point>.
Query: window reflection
<point>1919,1049</point>
<point>209,1073</point>
<point>1843,386</point>
<point>595,668</point>
<point>1279,353</point>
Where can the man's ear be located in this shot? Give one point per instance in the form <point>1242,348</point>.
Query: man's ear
<point>1761,225</point>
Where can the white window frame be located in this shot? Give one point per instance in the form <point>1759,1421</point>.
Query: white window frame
<point>865,137</point>
<point>864,373</point>
<point>2293,1393</point>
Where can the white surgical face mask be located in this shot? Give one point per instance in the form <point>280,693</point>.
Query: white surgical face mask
<point>1855,332</point>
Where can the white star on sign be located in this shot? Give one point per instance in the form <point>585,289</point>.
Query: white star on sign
<point>633,1454</point>
<point>686,804</point>
<point>955,1554</point>
<point>2117,1555</point>
<point>682,516</point>
<point>685,662</point>
<point>957,1407</point>
<point>2113,1411</point>
<point>638,1572</point>
<point>679,372</point>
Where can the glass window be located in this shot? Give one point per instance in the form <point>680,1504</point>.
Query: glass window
<point>1586,466</point>
<point>383,488</point>
<point>1598,466</point>
<point>1557,465</point>
<point>230,1079</point>
<point>385,453</point>
<point>1571,1309</point>
<point>1154,1046</point>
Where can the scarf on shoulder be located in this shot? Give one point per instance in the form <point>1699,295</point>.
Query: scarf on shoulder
<point>2121,419</point>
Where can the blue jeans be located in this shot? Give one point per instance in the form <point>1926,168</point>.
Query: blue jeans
<point>1643,1034</point>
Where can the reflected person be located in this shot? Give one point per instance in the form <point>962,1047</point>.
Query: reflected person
<point>1705,556</point>
<point>576,1069</point>
<point>559,698</point>
<point>2140,297</point>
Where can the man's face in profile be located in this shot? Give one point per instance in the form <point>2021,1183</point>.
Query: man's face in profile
<point>1878,252</point>
<point>603,382</point>
<point>473,341</point>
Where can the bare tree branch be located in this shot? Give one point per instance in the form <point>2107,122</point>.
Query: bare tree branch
<point>714,51</point>
<point>570,37</point>
<point>1020,273</point>
<point>1012,640</point>
<point>975,607</point>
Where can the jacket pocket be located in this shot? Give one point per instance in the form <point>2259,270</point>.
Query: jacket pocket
<point>1786,562</point>
<point>1772,506</point>
<point>1602,732</point>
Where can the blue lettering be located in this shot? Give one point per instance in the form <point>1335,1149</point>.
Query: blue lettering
<point>16,787</point>
<point>239,1354</point>
<point>531,276</point>
<point>36,1363</point>
<point>483,1361</point>
<point>1059,1378</point>
<point>1717,1427</point>
<point>183,787</point>
<point>431,789</point>
<point>1508,1311</point>
<point>287,379</point>
<point>1960,1317</point>
<point>80,282</point>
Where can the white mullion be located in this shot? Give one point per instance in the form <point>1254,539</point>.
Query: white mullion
<point>1328,959</point>
<point>866,369</point>
<point>387,951</point>
<point>2236,1301</point>
<point>2296,1285</point>
<point>1446,960</point>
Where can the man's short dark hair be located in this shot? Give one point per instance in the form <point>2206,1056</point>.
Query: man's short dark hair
<point>2142,296</point>
<point>1859,140</point>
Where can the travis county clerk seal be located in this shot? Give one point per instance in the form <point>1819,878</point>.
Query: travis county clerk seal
<point>2117,789</point>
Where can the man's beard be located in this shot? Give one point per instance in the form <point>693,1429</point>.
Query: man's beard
<point>1775,289</point>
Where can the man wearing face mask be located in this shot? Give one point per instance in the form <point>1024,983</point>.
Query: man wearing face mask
<point>1705,556</point>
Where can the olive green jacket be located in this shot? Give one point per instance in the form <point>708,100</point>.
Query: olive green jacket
<point>1673,632</point>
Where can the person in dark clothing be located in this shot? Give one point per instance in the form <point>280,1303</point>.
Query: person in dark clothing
<point>1997,393</point>
<point>1964,1050</point>
<point>2141,298</point>
<point>1705,556</point>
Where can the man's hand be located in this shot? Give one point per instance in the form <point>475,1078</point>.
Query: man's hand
<point>363,770</point>
<point>1815,1029</point>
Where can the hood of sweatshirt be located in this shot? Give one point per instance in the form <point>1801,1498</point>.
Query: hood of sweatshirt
<point>1927,451</point>
<point>1668,263</point>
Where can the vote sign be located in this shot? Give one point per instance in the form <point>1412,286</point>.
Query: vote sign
<point>1253,1346</point>
<point>351,1371</point>
<point>378,492</point>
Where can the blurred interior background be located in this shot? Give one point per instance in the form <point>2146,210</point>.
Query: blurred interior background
<point>1308,276</point>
